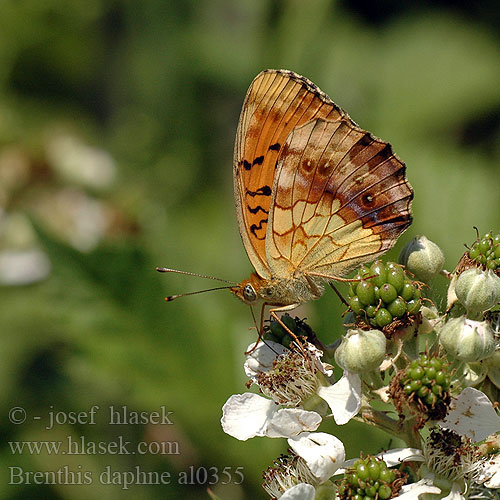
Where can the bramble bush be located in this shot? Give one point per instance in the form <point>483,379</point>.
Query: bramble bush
<point>430,377</point>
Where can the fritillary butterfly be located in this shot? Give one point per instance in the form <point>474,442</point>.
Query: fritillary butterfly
<point>316,196</point>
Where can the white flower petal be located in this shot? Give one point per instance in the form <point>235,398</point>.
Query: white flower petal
<point>490,472</point>
<point>261,358</point>
<point>325,368</point>
<point>455,493</point>
<point>323,453</point>
<point>398,455</point>
<point>413,491</point>
<point>473,415</point>
<point>343,398</point>
<point>301,491</point>
<point>247,415</point>
<point>289,422</point>
<point>494,482</point>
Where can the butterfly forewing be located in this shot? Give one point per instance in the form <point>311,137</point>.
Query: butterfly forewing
<point>277,102</point>
<point>340,198</point>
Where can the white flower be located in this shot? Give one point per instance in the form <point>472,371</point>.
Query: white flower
<point>314,458</point>
<point>472,416</point>
<point>250,415</point>
<point>290,379</point>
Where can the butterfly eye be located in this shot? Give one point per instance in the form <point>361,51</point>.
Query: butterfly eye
<point>249,293</point>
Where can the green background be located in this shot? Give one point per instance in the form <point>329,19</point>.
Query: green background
<point>117,121</point>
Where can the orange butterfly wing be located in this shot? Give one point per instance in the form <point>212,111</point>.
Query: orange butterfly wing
<point>277,102</point>
<point>340,198</point>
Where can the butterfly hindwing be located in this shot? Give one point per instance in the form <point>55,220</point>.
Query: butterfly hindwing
<point>340,198</point>
<point>277,102</point>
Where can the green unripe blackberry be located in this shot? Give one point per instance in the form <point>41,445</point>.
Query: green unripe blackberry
<point>365,292</point>
<point>408,291</point>
<point>426,380</point>
<point>397,307</point>
<point>355,304</point>
<point>383,317</point>
<point>369,478</point>
<point>396,277</point>
<point>485,251</point>
<point>379,270</point>
<point>383,293</point>
<point>388,293</point>
<point>413,306</point>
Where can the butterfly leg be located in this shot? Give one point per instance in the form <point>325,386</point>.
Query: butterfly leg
<point>260,330</point>
<point>289,307</point>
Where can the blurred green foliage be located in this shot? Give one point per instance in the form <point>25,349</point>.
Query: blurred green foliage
<point>117,120</point>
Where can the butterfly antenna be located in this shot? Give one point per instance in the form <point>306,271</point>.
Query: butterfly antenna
<point>167,270</point>
<point>173,297</point>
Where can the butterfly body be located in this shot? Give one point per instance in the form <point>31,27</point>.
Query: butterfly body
<point>315,195</point>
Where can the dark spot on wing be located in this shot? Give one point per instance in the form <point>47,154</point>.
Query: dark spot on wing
<point>263,191</point>
<point>254,228</point>
<point>258,161</point>
<point>256,209</point>
<point>246,165</point>
<point>361,144</point>
<point>275,147</point>
<point>368,200</point>
<point>385,153</point>
<point>366,139</point>
<point>400,219</point>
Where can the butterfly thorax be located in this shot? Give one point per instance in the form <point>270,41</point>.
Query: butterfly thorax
<point>278,291</point>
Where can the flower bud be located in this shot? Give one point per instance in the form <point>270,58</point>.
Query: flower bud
<point>467,340</point>
<point>477,290</point>
<point>361,350</point>
<point>422,257</point>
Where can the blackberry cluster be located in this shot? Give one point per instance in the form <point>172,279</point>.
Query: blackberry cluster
<point>387,295</point>
<point>486,251</point>
<point>368,479</point>
<point>427,380</point>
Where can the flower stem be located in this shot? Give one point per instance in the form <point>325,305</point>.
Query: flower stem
<point>380,419</point>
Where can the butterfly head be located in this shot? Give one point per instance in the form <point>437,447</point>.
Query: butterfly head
<point>248,290</point>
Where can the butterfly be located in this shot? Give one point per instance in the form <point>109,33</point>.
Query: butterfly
<point>316,196</point>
